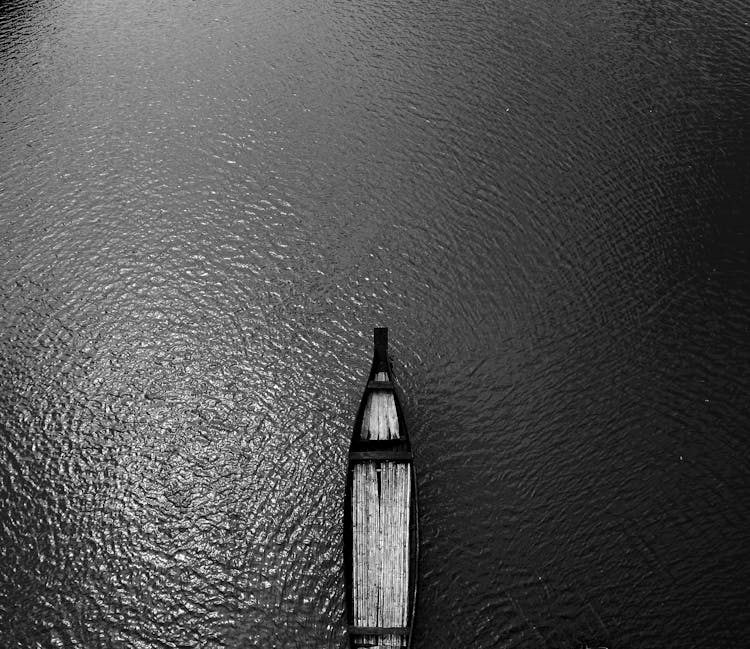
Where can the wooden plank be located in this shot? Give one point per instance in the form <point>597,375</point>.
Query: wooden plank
<point>357,548</point>
<point>378,630</point>
<point>397,444</point>
<point>403,526</point>
<point>380,501</point>
<point>381,456</point>
<point>372,545</point>
<point>379,385</point>
<point>380,417</point>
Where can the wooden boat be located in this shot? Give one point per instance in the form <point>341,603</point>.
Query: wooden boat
<point>380,516</point>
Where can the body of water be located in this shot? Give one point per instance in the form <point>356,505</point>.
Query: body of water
<point>205,208</point>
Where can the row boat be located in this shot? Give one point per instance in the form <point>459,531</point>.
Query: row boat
<point>380,515</point>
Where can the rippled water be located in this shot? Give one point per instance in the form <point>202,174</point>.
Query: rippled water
<point>206,207</point>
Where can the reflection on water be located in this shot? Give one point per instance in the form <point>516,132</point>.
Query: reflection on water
<point>208,207</point>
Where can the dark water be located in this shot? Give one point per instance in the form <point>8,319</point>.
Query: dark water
<point>206,207</point>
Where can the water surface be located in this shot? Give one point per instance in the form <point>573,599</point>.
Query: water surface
<point>207,207</point>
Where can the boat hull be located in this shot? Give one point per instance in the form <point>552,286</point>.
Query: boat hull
<point>381,534</point>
